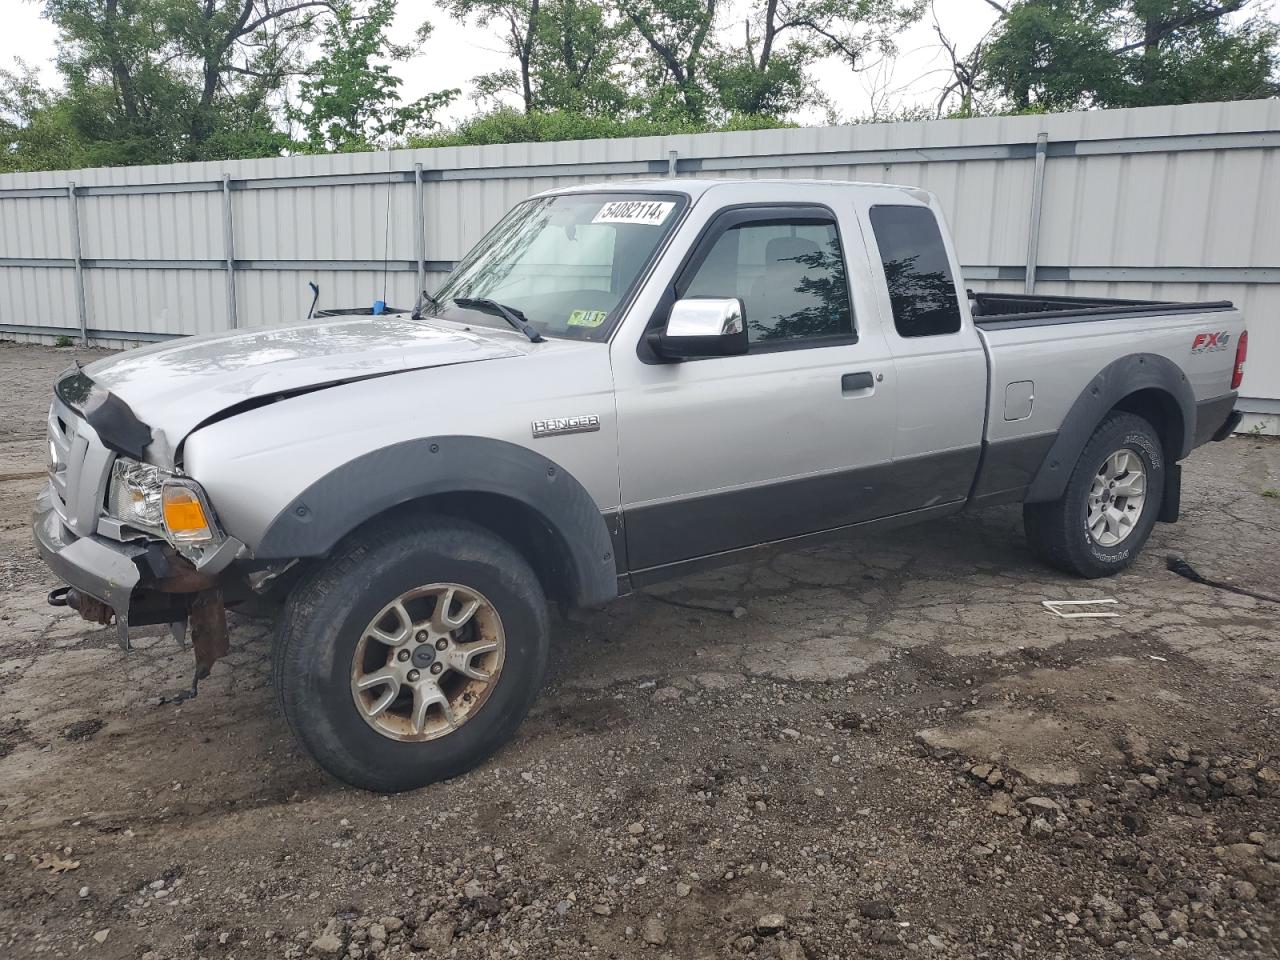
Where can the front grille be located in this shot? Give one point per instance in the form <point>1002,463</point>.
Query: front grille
<point>78,470</point>
<point>60,443</point>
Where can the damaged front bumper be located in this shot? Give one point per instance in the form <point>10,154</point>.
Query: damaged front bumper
<point>93,566</point>
<point>138,582</point>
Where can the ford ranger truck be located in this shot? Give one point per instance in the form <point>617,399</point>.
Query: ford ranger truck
<point>620,384</point>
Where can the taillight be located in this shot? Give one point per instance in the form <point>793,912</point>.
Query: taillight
<point>1242,351</point>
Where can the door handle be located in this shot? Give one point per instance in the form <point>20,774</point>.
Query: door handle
<point>853,382</point>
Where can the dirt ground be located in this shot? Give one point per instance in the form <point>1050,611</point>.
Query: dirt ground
<point>880,748</point>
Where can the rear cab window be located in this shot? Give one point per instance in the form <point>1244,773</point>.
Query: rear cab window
<point>917,271</point>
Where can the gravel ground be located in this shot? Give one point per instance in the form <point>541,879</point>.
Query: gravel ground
<point>881,748</point>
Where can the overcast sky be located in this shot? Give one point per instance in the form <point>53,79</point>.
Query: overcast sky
<point>456,53</point>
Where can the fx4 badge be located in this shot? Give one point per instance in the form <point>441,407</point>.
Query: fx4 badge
<point>1210,342</point>
<point>555,426</point>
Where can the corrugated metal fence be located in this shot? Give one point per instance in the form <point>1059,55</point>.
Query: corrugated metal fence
<point>1162,202</point>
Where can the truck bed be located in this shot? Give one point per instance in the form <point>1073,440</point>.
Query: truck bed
<point>1005,310</point>
<point>1049,356</point>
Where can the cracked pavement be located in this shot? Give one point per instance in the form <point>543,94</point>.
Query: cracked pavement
<point>887,742</point>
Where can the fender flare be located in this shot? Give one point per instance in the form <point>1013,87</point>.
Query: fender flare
<point>375,482</point>
<point>1116,381</point>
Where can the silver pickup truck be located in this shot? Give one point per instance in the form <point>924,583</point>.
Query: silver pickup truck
<point>621,383</point>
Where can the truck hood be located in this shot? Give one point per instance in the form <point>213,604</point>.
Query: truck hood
<point>176,386</point>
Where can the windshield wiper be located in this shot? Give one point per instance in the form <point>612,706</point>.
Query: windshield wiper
<point>509,314</point>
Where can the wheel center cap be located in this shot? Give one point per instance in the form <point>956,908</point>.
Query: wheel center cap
<point>424,656</point>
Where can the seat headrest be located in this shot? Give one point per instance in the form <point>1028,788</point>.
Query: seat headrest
<point>787,249</point>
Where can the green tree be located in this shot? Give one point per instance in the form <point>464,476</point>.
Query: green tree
<point>1065,54</point>
<point>744,85</point>
<point>582,52</point>
<point>126,96</point>
<point>852,30</point>
<point>678,37</point>
<point>768,73</point>
<point>36,131</point>
<point>509,125</point>
<point>567,54</point>
<point>163,80</point>
<point>516,24</point>
<point>351,96</point>
<point>1053,53</point>
<point>158,81</point>
<point>1183,51</point>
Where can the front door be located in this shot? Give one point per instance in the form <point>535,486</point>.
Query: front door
<point>794,437</point>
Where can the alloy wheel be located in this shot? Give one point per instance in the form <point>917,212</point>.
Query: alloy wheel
<point>427,662</point>
<point>1116,498</point>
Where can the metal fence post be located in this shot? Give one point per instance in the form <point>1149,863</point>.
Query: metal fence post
<point>672,159</point>
<point>229,252</point>
<point>419,231</point>
<point>1037,204</point>
<point>81,309</point>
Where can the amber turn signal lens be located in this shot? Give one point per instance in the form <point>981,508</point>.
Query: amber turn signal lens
<point>184,517</point>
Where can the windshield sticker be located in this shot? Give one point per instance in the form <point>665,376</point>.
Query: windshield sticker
<point>648,212</point>
<point>587,318</point>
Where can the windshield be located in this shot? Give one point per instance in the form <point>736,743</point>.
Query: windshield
<point>565,262</point>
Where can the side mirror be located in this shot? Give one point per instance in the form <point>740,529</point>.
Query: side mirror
<point>702,328</point>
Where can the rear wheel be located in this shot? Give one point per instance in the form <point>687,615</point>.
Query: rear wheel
<point>412,654</point>
<point>1103,518</point>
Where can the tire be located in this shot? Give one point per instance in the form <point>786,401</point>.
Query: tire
<point>1059,531</point>
<point>332,617</point>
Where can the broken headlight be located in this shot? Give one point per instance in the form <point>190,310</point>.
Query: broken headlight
<point>135,495</point>
<point>156,501</point>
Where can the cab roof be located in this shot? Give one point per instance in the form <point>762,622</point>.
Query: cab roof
<point>696,187</point>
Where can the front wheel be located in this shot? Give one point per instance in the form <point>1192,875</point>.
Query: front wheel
<point>412,654</point>
<point>1103,518</point>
